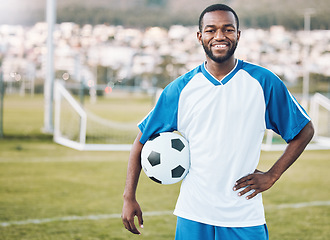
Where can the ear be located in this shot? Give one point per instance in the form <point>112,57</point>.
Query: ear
<point>199,37</point>
<point>238,35</point>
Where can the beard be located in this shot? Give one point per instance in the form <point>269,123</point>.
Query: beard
<point>220,59</point>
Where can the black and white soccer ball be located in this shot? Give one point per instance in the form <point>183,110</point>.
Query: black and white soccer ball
<point>165,158</point>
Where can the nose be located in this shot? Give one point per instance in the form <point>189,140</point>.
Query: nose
<point>219,35</point>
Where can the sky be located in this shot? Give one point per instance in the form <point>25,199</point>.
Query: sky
<point>18,11</point>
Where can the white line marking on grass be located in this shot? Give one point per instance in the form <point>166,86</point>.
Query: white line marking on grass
<point>79,218</point>
<point>156,213</point>
<point>299,205</point>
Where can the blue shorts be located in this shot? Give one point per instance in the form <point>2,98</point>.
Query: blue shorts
<point>191,230</point>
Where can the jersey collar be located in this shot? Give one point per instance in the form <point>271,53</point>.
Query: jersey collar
<point>226,79</point>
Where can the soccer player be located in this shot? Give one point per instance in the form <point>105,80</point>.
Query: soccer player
<point>222,108</point>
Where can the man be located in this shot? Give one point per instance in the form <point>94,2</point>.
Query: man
<point>222,108</point>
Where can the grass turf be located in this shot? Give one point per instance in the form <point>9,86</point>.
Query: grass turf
<point>42,180</point>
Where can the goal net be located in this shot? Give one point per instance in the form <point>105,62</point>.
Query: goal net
<point>81,129</point>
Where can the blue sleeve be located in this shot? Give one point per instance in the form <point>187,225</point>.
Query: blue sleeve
<point>284,115</point>
<point>163,118</point>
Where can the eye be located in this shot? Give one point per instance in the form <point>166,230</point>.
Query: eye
<point>230,30</point>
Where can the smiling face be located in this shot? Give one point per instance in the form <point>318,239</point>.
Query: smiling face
<point>219,35</point>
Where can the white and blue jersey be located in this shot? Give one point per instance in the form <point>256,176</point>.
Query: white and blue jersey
<point>224,123</point>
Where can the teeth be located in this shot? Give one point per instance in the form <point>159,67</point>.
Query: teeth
<point>220,46</point>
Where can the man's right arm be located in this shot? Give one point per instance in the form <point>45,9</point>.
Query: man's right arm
<point>131,207</point>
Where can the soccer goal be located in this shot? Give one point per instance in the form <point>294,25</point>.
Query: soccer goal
<point>81,129</point>
<point>320,114</point>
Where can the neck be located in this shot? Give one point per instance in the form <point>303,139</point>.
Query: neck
<point>220,70</point>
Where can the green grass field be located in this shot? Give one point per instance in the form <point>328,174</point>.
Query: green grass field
<point>52,184</point>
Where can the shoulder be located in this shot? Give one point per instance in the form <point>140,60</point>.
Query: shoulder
<point>264,76</point>
<point>257,71</point>
<point>179,84</point>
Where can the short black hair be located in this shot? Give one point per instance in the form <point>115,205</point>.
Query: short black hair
<point>216,7</point>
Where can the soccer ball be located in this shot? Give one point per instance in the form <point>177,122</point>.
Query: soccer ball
<point>165,158</point>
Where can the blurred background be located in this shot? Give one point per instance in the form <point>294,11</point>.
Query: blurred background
<point>147,43</point>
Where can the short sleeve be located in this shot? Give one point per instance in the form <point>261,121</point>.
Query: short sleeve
<point>284,114</point>
<point>163,118</point>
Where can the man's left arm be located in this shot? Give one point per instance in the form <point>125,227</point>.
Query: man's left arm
<point>261,181</point>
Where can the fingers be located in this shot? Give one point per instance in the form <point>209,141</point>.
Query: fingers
<point>140,219</point>
<point>255,192</point>
<point>249,189</point>
<point>248,185</point>
<point>130,225</point>
<point>253,184</point>
<point>243,182</point>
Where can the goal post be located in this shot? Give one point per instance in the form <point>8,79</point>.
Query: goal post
<point>60,95</point>
<point>71,124</point>
<point>320,113</point>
